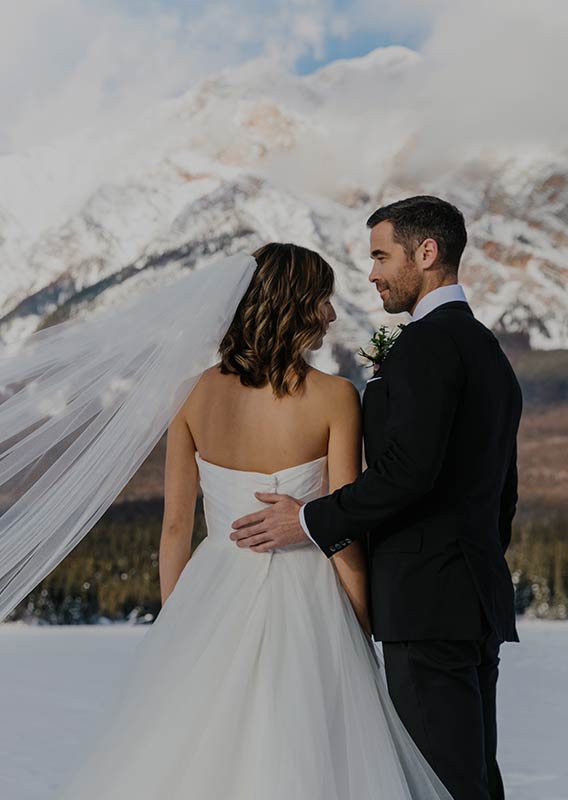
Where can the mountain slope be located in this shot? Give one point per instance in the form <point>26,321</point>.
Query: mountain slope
<point>257,154</point>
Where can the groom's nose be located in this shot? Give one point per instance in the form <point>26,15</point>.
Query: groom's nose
<point>374,273</point>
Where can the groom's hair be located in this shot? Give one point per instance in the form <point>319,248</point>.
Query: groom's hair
<point>426,217</point>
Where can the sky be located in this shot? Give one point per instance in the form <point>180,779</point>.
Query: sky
<point>340,28</point>
<point>67,64</point>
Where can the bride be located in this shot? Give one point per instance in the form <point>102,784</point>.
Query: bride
<point>258,678</point>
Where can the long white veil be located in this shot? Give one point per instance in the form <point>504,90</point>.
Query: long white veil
<point>83,403</point>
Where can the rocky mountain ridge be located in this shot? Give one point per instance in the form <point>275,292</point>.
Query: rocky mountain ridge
<point>258,154</point>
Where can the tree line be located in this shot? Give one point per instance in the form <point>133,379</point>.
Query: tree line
<point>113,573</point>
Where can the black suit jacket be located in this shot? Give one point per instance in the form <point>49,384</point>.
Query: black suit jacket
<point>439,494</point>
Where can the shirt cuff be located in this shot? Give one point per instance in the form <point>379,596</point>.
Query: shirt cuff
<point>304,525</point>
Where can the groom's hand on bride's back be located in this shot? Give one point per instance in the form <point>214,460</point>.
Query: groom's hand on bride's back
<point>277,525</point>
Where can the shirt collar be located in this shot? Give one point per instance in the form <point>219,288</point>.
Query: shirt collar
<point>438,297</point>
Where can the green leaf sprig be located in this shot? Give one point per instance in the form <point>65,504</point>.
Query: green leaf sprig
<point>381,344</point>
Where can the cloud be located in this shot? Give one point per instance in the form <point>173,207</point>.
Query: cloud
<point>492,78</point>
<point>491,73</point>
<point>67,64</point>
<point>490,82</point>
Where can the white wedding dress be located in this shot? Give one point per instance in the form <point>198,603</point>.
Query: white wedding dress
<point>255,682</point>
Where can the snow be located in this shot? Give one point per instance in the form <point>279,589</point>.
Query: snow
<point>55,681</point>
<point>268,150</point>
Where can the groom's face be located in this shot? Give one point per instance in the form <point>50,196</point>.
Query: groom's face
<point>397,277</point>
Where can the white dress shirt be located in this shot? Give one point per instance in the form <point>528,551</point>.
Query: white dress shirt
<point>437,297</point>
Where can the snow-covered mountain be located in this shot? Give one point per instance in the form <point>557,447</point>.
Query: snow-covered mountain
<point>258,154</point>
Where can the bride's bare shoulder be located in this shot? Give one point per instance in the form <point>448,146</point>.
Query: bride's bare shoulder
<point>333,389</point>
<point>209,381</point>
<point>212,375</point>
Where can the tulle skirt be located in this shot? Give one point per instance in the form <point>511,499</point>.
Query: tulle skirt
<point>255,682</point>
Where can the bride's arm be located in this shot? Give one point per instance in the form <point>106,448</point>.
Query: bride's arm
<point>344,459</point>
<point>180,495</point>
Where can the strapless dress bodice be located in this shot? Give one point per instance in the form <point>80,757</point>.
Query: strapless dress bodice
<point>230,493</point>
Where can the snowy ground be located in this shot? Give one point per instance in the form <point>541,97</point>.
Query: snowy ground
<point>52,680</point>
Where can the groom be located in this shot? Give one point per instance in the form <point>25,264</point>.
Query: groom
<point>437,499</point>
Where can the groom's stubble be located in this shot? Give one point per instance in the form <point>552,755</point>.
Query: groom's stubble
<point>402,279</point>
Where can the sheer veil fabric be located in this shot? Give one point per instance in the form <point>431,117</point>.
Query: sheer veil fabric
<point>83,403</point>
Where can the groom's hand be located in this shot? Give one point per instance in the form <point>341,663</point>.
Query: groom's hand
<point>276,526</point>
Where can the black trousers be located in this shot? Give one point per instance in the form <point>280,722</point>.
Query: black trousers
<point>444,692</point>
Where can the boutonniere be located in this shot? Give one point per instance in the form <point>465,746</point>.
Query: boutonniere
<point>381,344</point>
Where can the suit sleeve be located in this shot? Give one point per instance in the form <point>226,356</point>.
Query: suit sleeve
<point>509,498</point>
<point>424,382</point>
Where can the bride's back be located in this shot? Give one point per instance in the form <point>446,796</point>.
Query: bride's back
<point>249,428</point>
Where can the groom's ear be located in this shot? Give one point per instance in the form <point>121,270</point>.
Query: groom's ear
<point>426,254</point>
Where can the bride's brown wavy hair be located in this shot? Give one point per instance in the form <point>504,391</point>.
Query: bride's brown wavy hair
<point>278,319</point>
